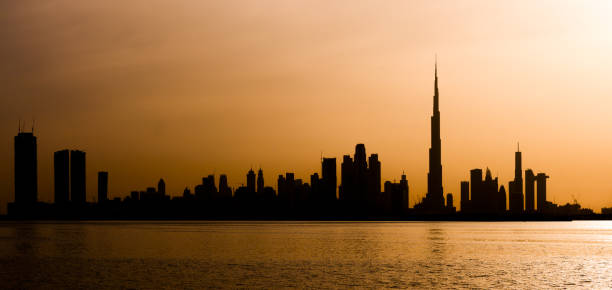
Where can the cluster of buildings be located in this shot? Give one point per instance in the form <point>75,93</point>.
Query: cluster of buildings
<point>358,194</point>
<point>487,197</point>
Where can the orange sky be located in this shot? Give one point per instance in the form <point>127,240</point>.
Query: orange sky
<point>183,89</point>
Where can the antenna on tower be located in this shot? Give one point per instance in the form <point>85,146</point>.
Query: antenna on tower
<point>518,146</point>
<point>19,126</point>
<point>33,122</point>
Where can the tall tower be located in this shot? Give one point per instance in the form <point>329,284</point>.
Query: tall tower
<point>328,174</point>
<point>518,168</point>
<point>224,190</point>
<point>61,167</point>
<point>529,190</point>
<point>161,186</point>
<point>516,186</point>
<point>405,192</point>
<point>541,193</point>
<point>435,192</point>
<point>251,181</point>
<point>78,193</point>
<point>260,181</point>
<point>26,172</point>
<point>103,186</point>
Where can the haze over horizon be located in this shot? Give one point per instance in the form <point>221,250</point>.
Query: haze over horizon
<point>180,90</point>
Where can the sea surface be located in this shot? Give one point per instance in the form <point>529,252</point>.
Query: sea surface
<point>68,255</point>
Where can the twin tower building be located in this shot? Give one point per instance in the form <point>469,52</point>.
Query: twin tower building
<point>69,174</point>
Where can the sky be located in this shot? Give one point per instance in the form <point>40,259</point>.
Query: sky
<point>183,89</point>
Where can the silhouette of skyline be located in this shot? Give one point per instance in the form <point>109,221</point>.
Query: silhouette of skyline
<point>297,79</point>
<point>359,193</point>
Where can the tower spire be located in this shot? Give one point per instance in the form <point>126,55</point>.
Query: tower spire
<point>434,199</point>
<point>436,105</point>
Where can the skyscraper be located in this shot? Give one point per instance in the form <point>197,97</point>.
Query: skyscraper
<point>541,181</point>
<point>161,186</point>
<point>224,190</point>
<point>529,190</point>
<point>360,176</point>
<point>77,177</point>
<point>251,181</point>
<point>61,170</point>
<point>449,201</point>
<point>465,196</point>
<point>346,179</point>
<point>405,193</point>
<point>329,181</point>
<point>361,186</point>
<point>315,188</point>
<point>260,181</point>
<point>516,186</point>
<point>434,199</point>
<point>102,186</point>
<point>26,168</point>
<point>373,177</point>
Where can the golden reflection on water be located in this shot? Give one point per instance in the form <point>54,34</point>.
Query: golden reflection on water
<point>306,254</point>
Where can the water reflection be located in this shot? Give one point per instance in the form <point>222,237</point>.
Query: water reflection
<point>304,255</point>
<point>26,239</point>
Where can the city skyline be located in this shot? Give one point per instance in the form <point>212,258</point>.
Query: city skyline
<point>179,106</point>
<point>364,183</point>
<point>359,195</point>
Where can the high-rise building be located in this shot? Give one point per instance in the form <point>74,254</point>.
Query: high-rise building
<point>501,199</point>
<point>477,200</point>
<point>449,201</point>
<point>434,199</point>
<point>290,189</point>
<point>61,175</point>
<point>360,157</point>
<point>161,186</point>
<point>207,189</point>
<point>465,196</point>
<point>486,196</point>
<point>360,176</point>
<point>395,198</point>
<point>405,193</point>
<point>541,181</point>
<point>529,190</point>
<point>315,188</point>
<point>77,177</point>
<point>281,189</point>
<point>329,181</point>
<point>251,181</point>
<point>26,168</point>
<point>346,179</point>
<point>374,178</point>
<point>224,190</point>
<point>260,181</point>
<point>491,194</point>
<point>103,186</point>
<point>361,181</point>
<point>516,186</point>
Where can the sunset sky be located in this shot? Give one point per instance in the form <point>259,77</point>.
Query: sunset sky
<point>182,89</point>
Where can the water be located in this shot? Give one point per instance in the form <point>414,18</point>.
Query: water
<point>306,254</point>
